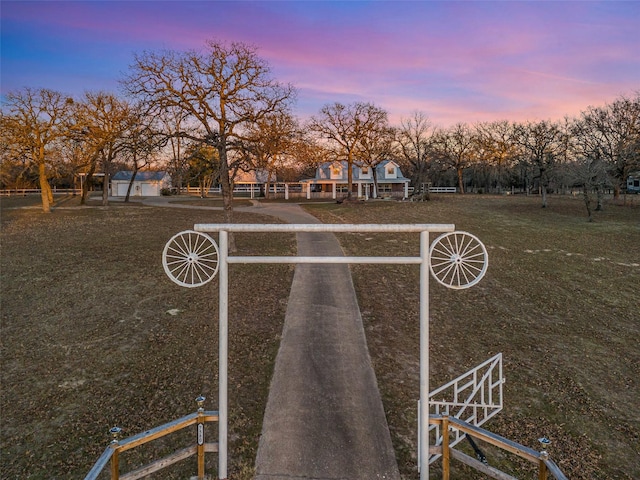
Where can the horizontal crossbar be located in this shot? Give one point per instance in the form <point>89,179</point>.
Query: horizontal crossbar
<point>368,260</point>
<point>323,227</point>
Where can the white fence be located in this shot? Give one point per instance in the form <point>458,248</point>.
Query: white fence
<point>443,189</point>
<point>23,192</point>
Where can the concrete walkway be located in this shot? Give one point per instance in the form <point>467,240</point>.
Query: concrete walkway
<point>324,417</point>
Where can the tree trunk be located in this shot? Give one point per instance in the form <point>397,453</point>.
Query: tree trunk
<point>105,190</point>
<point>543,187</point>
<point>349,176</point>
<point>45,189</point>
<point>88,181</point>
<point>460,181</point>
<point>599,192</point>
<point>133,177</point>
<point>616,191</point>
<point>587,202</point>
<point>227,191</point>
<point>49,193</point>
<point>268,186</point>
<point>375,183</point>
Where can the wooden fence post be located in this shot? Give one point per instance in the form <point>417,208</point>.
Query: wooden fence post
<point>200,438</point>
<point>543,471</point>
<point>115,463</point>
<point>445,446</point>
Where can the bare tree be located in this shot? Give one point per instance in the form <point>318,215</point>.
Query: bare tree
<point>104,121</point>
<point>344,127</point>
<point>414,140</point>
<point>455,148</point>
<point>589,168</point>
<point>16,170</point>
<point>543,143</point>
<point>270,143</point>
<point>616,129</point>
<point>497,149</point>
<point>222,89</point>
<point>174,123</point>
<point>306,155</point>
<point>376,146</point>
<point>35,122</point>
<point>142,140</point>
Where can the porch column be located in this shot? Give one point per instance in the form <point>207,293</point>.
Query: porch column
<point>359,190</point>
<point>406,190</point>
<point>286,191</point>
<point>334,186</point>
<point>308,187</point>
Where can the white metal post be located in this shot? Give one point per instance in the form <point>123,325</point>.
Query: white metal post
<point>424,357</point>
<point>223,335</point>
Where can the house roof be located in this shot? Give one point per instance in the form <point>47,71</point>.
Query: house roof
<point>145,176</point>
<point>254,176</point>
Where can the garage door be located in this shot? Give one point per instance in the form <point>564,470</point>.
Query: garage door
<point>149,190</point>
<point>121,189</point>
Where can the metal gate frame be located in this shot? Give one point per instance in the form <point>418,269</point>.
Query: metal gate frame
<point>225,260</point>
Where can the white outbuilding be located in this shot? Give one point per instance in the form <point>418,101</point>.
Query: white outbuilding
<point>145,184</point>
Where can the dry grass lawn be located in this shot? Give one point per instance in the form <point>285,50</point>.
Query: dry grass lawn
<point>87,341</point>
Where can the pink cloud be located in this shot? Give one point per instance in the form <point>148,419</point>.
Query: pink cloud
<point>457,61</point>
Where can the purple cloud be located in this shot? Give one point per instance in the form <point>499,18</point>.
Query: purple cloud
<point>456,61</point>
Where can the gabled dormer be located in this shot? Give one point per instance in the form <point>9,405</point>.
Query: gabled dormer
<point>335,171</point>
<point>365,173</point>
<point>391,169</point>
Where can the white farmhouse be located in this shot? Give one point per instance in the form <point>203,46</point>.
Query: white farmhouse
<point>331,179</point>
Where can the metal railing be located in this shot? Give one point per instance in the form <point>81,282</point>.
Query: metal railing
<point>474,397</point>
<point>547,468</point>
<point>117,447</point>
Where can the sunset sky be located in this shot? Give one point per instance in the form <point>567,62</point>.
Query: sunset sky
<point>456,61</point>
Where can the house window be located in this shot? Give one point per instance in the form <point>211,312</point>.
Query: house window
<point>342,188</point>
<point>384,188</point>
<point>391,170</point>
<point>336,171</point>
<point>365,171</point>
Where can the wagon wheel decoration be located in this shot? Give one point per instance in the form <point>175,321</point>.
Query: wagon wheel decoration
<point>190,258</point>
<point>458,260</point>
